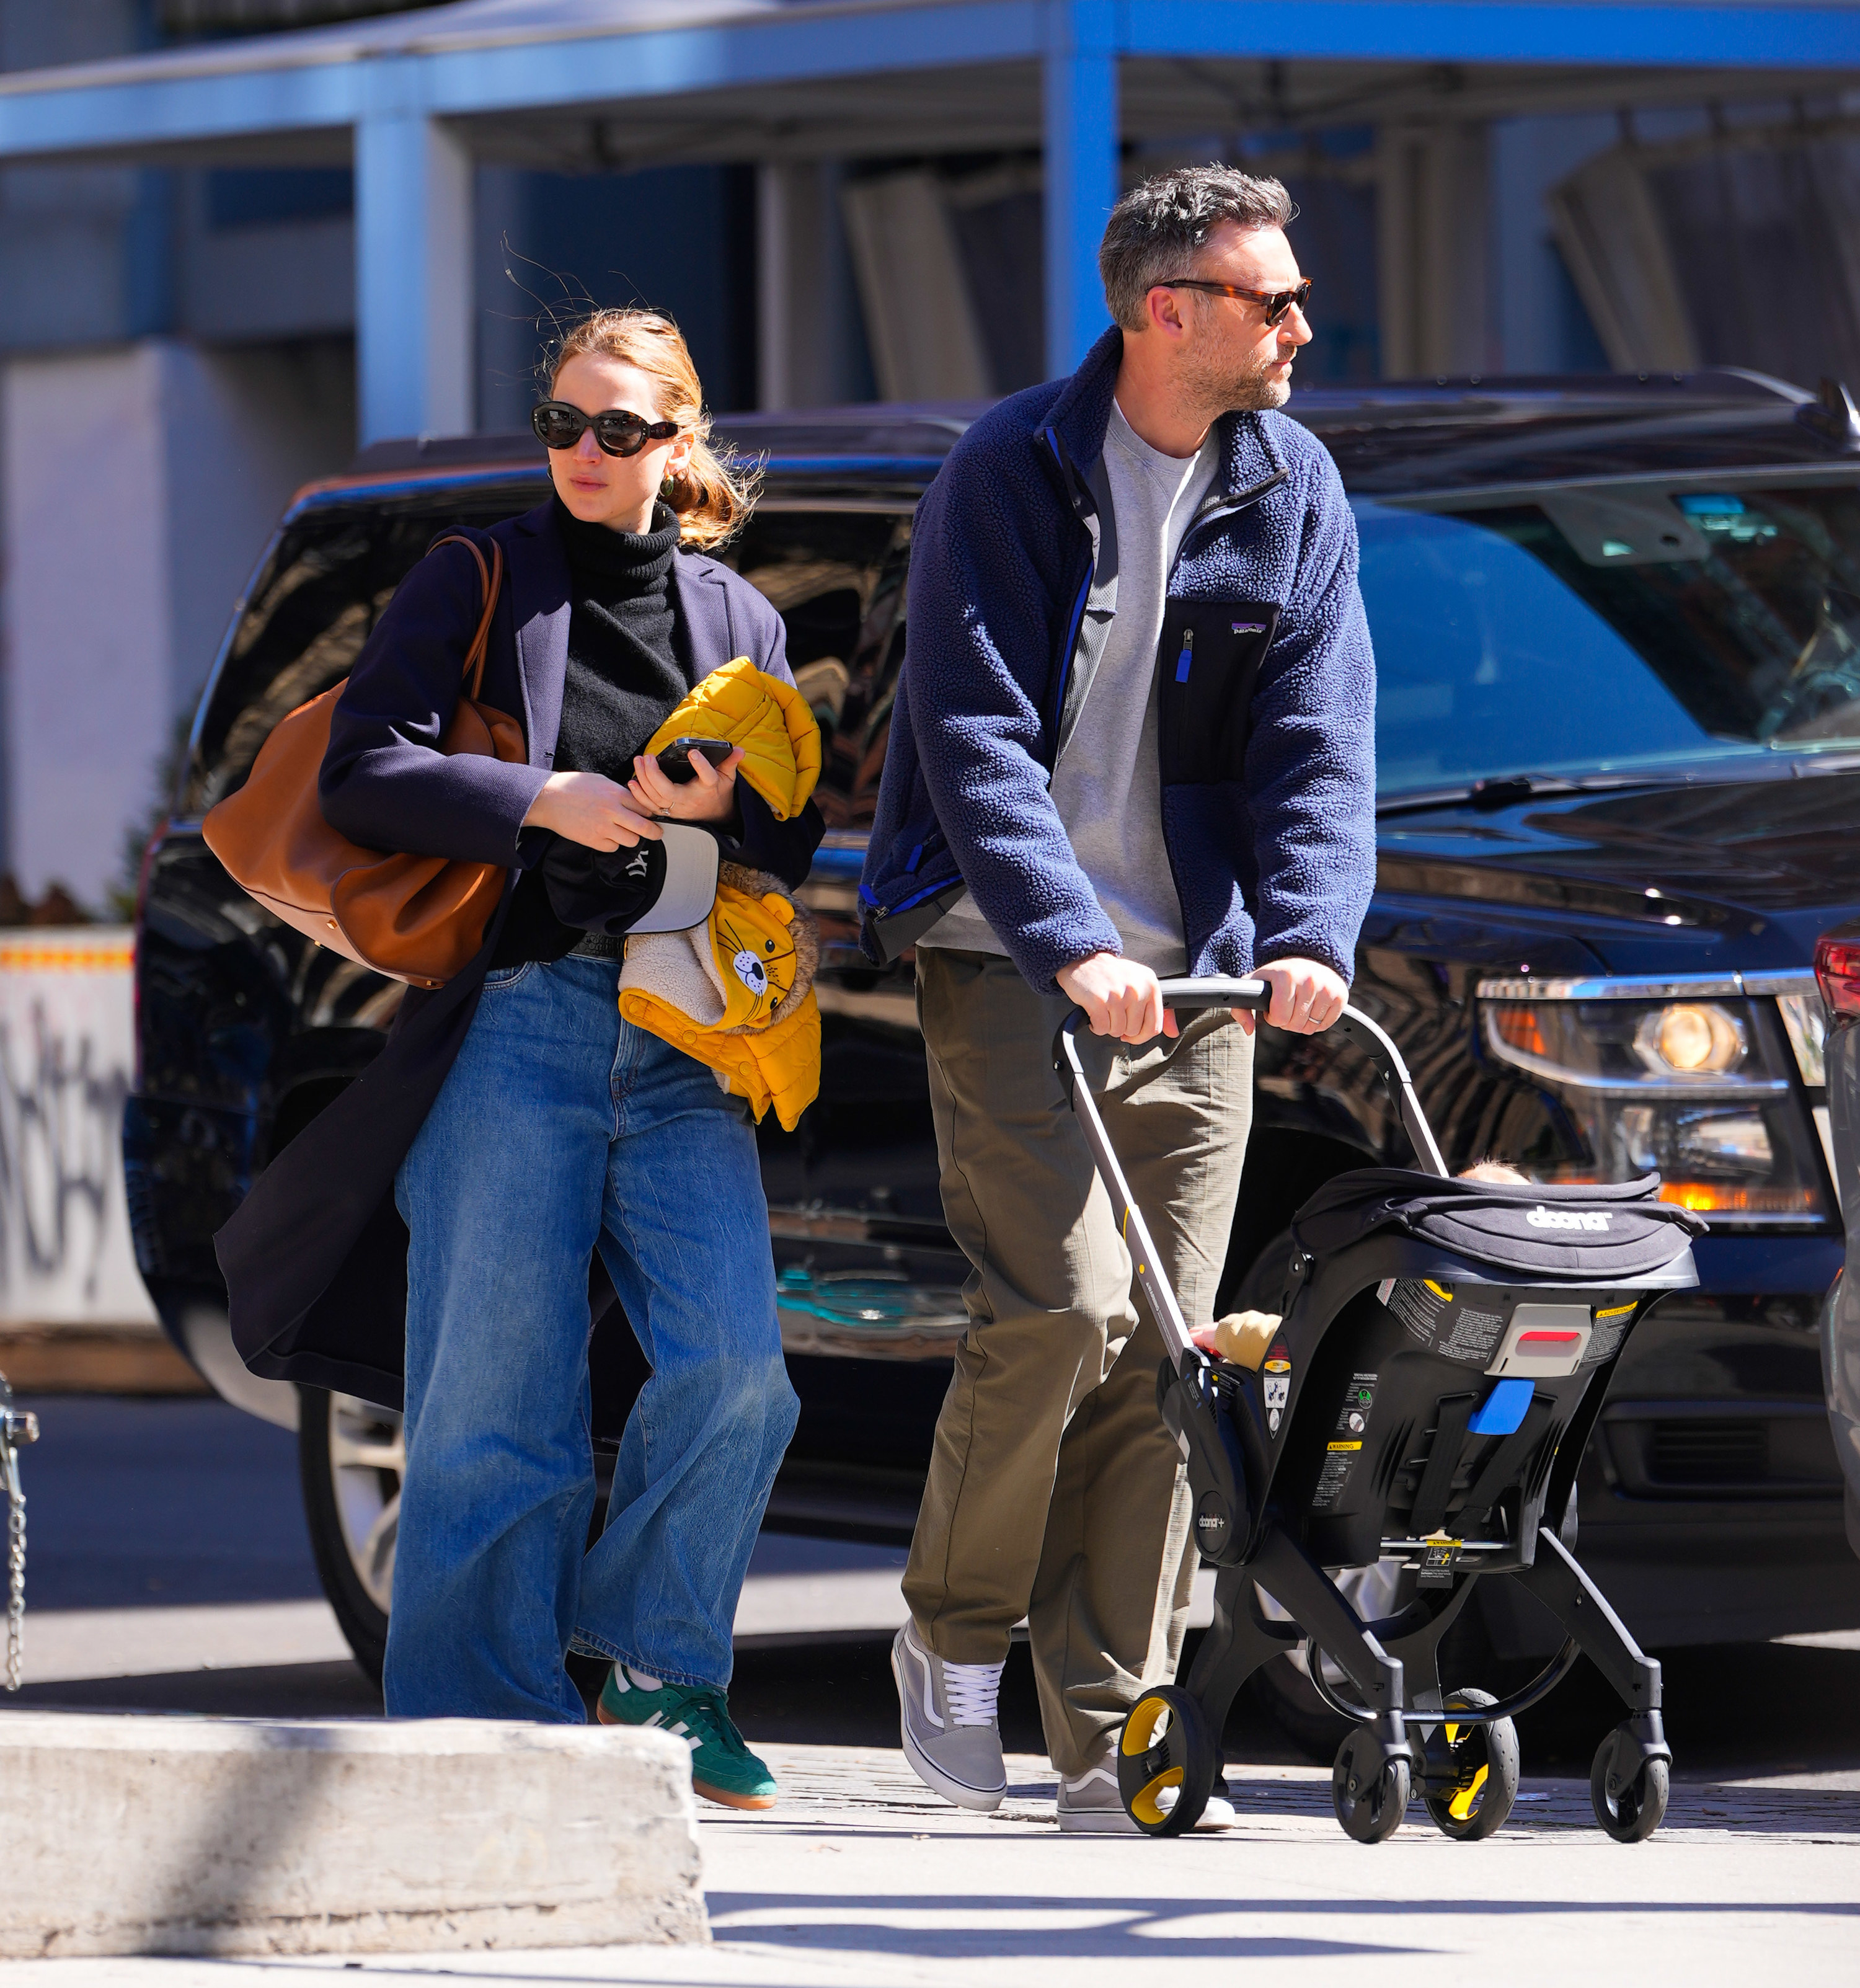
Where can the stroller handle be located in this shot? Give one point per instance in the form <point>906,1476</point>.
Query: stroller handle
<point>1191,996</point>
<point>1188,996</point>
<point>1196,997</point>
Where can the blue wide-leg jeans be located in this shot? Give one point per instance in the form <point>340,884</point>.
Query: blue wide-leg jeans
<point>559,1130</point>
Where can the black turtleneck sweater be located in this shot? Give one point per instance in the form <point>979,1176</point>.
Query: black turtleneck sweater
<point>626,673</point>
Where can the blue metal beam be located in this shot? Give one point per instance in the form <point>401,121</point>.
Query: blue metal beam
<point>798,47</point>
<point>1667,34</point>
<point>172,101</point>
<point>1079,84</point>
<point>132,107</point>
<point>140,113</point>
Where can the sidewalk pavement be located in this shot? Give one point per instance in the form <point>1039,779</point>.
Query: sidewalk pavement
<point>861,1878</point>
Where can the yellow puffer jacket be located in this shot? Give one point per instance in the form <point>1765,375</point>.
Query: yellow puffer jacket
<point>768,718</point>
<point>737,992</point>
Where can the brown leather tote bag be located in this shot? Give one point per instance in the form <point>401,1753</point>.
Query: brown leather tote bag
<point>416,919</point>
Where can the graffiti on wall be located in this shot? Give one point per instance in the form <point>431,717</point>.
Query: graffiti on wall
<point>66,1042</point>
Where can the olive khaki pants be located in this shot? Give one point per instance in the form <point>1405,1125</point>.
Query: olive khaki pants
<point>1055,1491</point>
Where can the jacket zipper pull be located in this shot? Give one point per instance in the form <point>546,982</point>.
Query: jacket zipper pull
<point>1187,656</point>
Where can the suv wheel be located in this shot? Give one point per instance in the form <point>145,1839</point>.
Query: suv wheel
<point>350,1457</point>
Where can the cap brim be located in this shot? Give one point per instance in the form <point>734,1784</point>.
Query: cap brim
<point>690,889</point>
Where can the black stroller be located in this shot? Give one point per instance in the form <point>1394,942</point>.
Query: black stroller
<point>1443,1354</point>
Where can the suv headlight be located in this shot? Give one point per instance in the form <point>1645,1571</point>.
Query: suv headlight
<point>1696,1089</point>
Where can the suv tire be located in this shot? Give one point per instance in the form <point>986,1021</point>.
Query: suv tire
<point>350,1460</point>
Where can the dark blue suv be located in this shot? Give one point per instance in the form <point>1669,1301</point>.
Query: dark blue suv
<point>1617,626</point>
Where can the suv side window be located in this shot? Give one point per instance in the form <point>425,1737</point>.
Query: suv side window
<point>837,578</point>
<point>314,604</point>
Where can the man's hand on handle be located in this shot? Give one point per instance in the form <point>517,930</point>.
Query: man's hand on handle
<point>1122,999</point>
<point>1119,998</point>
<point>1307,996</point>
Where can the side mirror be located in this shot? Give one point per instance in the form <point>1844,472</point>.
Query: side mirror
<point>1832,416</point>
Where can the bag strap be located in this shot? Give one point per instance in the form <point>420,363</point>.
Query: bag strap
<point>490,579</point>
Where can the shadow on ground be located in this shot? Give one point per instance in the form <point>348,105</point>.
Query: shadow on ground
<point>1738,1709</point>
<point>1154,1932</point>
<point>270,1691</point>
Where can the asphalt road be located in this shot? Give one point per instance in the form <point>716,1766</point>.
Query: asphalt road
<point>175,1507</point>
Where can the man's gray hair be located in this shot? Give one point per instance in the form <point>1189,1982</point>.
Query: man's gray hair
<point>1159,226</point>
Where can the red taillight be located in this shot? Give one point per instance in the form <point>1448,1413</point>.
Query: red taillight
<point>1837,967</point>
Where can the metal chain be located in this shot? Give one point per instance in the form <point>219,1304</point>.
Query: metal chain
<point>15,1575</point>
<point>16,1429</point>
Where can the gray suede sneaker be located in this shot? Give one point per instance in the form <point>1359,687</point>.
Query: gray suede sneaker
<point>1089,1804</point>
<point>946,1716</point>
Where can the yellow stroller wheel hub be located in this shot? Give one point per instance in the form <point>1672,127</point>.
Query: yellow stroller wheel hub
<point>1166,1744</point>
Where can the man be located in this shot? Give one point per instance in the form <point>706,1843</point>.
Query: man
<point>1133,738</point>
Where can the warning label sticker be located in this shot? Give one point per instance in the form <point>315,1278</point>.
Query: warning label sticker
<point>1332,1478</point>
<point>1445,1321</point>
<point>1418,1305</point>
<point>1359,1399</point>
<point>1277,1375</point>
<point>1346,1443</point>
<point>1604,1340</point>
<point>1472,1335</point>
<point>1439,1561</point>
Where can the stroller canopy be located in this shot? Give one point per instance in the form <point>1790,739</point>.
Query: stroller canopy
<point>1598,1233</point>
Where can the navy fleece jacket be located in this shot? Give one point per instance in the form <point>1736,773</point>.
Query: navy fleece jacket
<point>1267,685</point>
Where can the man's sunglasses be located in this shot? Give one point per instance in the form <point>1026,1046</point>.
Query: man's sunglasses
<point>619,431</point>
<point>1277,302</point>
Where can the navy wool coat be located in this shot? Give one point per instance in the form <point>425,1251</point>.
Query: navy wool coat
<point>315,1257</point>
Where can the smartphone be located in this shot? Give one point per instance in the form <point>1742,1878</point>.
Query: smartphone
<point>674,759</point>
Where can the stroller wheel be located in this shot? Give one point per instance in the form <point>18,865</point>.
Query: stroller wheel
<point>1470,1773</point>
<point>1629,1811</point>
<point>1165,1744</point>
<point>1368,1788</point>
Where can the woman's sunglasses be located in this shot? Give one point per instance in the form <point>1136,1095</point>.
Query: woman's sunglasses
<point>619,431</point>
<point>1276,302</point>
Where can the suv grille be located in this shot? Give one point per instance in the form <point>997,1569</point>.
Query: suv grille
<point>1757,1449</point>
<point>1707,1453</point>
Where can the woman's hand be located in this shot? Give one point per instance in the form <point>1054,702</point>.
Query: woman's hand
<point>593,810</point>
<point>709,795</point>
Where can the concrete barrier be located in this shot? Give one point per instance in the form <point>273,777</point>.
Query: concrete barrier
<point>172,1835</point>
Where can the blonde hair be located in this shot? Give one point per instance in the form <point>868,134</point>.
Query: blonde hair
<point>714,493</point>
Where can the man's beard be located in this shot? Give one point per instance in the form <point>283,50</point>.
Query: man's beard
<point>1218,390</point>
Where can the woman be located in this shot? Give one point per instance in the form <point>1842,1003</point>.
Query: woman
<point>559,1130</point>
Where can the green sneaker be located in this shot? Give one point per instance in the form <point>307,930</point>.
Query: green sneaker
<point>722,1768</point>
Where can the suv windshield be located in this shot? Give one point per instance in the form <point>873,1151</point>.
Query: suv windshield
<point>1621,627</point>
